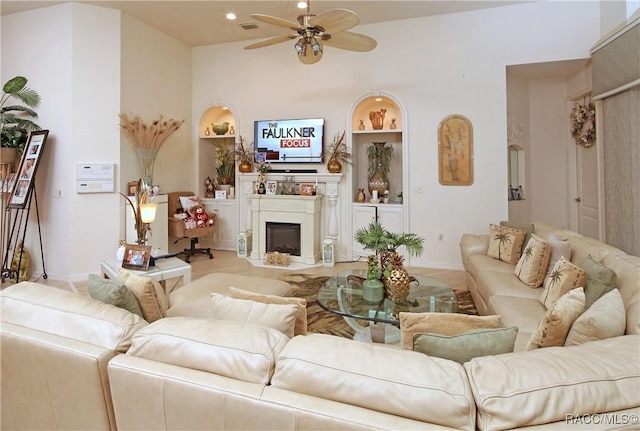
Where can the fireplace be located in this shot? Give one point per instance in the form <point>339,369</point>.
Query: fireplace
<point>295,219</point>
<point>283,238</point>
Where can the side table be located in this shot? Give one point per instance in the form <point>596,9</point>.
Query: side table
<point>164,269</point>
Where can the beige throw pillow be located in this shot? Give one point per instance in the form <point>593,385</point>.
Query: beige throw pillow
<point>528,229</point>
<point>604,319</point>
<point>412,324</point>
<point>149,293</point>
<point>559,247</point>
<point>552,330</point>
<point>277,316</point>
<point>564,277</point>
<point>532,266</point>
<point>301,303</point>
<point>505,243</point>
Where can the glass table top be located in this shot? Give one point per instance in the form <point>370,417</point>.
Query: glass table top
<point>342,294</point>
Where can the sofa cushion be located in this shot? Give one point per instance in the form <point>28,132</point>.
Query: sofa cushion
<point>555,325</point>
<point>532,265</point>
<point>525,313</point>
<point>301,303</point>
<point>598,280</point>
<point>412,324</point>
<point>112,292</point>
<point>593,377</point>
<point>54,311</point>
<point>194,299</point>
<point>505,243</point>
<point>462,347</point>
<point>528,229</point>
<point>237,350</point>
<point>558,248</point>
<point>564,277</point>
<point>277,316</point>
<point>604,319</point>
<point>376,377</point>
<point>149,293</point>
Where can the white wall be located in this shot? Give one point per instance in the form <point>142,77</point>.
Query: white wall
<point>437,66</point>
<point>56,49</point>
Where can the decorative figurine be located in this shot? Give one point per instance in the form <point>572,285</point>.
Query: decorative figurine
<point>393,124</point>
<point>361,126</point>
<point>207,132</point>
<point>209,191</point>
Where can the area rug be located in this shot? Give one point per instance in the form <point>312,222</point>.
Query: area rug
<point>321,321</point>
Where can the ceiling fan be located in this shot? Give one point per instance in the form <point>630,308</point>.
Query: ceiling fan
<point>315,31</point>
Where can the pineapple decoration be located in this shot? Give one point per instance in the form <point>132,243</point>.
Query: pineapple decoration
<point>395,277</point>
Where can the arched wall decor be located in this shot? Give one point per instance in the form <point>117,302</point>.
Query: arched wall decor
<point>455,151</point>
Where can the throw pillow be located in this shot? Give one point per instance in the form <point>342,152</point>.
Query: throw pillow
<point>505,243</point>
<point>277,316</point>
<point>532,266</point>
<point>564,277</point>
<point>186,202</point>
<point>559,247</point>
<point>113,292</point>
<point>301,303</point>
<point>149,293</point>
<point>599,280</point>
<point>552,330</point>
<point>463,347</point>
<point>412,324</point>
<point>604,319</point>
<point>528,228</point>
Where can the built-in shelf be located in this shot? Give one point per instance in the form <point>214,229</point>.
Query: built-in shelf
<point>217,136</point>
<point>371,132</point>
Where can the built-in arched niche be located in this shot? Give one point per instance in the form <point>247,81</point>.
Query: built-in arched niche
<point>515,158</point>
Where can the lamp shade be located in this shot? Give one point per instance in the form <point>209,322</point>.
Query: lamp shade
<point>148,212</point>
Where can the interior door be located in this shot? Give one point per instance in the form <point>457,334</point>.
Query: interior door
<point>588,199</point>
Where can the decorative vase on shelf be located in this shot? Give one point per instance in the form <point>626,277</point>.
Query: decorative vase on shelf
<point>245,166</point>
<point>220,129</point>
<point>361,125</point>
<point>147,157</point>
<point>334,166</point>
<point>361,196</point>
<point>393,124</point>
<point>377,118</point>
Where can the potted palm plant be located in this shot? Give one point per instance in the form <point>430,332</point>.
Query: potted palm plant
<point>385,244</point>
<point>13,124</point>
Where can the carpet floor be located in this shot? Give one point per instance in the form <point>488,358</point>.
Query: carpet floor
<point>321,321</point>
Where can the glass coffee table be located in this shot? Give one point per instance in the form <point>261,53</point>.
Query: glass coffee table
<point>342,294</point>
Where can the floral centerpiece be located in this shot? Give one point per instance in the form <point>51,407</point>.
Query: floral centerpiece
<point>244,156</point>
<point>385,244</point>
<point>148,138</point>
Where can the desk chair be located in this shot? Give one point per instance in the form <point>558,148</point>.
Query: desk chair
<point>177,228</point>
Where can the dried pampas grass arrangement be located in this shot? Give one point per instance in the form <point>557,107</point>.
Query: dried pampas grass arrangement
<point>152,136</point>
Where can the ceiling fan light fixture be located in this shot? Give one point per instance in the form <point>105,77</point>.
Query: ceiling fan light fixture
<point>302,5</point>
<point>300,47</point>
<point>315,46</point>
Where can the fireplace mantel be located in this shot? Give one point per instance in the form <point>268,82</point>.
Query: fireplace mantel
<point>304,210</point>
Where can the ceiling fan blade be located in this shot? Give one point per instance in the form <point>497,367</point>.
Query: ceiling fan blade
<point>350,41</point>
<point>271,41</point>
<point>277,21</point>
<point>333,21</point>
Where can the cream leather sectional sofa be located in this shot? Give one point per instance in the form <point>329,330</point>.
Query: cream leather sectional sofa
<point>70,362</point>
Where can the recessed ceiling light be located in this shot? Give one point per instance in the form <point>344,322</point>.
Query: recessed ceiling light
<point>378,99</point>
<point>231,16</point>
<point>224,107</point>
<point>302,5</point>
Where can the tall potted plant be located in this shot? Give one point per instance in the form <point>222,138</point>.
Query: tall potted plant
<point>13,124</point>
<point>225,165</point>
<point>379,156</point>
<point>385,244</point>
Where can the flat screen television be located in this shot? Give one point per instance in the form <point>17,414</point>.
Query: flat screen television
<point>289,141</point>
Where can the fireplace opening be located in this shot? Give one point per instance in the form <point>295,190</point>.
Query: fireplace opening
<point>283,238</point>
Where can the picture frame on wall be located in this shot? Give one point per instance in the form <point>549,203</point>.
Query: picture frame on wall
<point>136,257</point>
<point>455,151</point>
<point>25,177</point>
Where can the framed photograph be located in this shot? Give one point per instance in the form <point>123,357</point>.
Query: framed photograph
<point>272,187</point>
<point>296,189</point>
<point>306,189</point>
<point>455,151</point>
<point>221,194</point>
<point>136,257</point>
<point>26,172</point>
<point>133,187</point>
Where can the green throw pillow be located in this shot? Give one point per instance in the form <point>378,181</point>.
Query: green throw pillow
<point>599,280</point>
<point>463,347</point>
<point>114,293</point>
<point>528,228</point>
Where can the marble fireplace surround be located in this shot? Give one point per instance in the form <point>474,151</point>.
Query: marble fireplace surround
<point>302,210</point>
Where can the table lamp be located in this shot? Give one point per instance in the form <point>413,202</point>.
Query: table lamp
<point>147,216</point>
